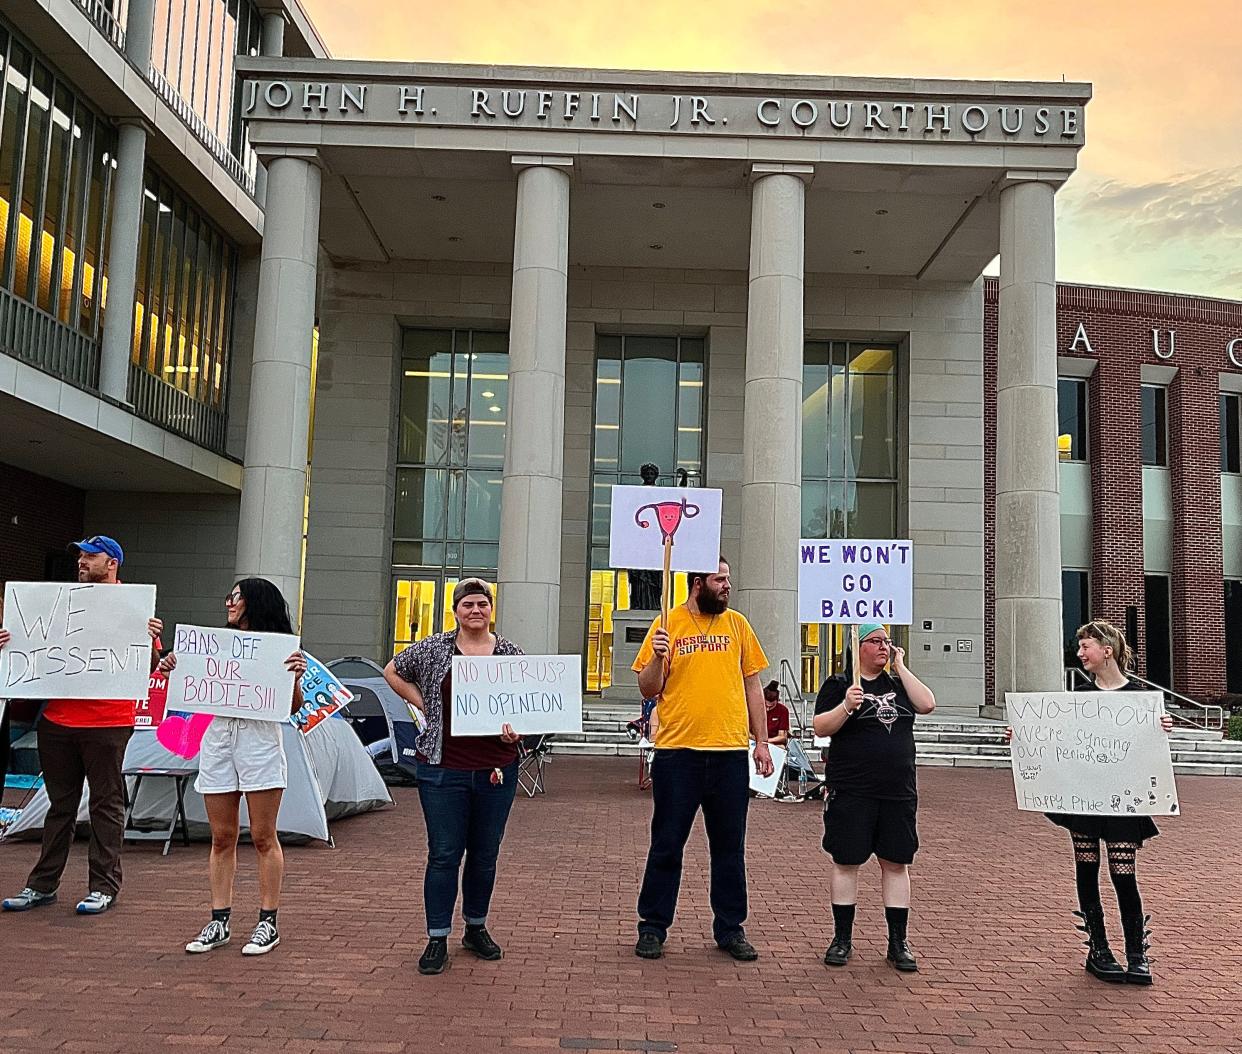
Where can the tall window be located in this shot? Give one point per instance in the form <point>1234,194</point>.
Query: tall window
<point>56,170</point>
<point>1155,424</point>
<point>1158,630</point>
<point>649,409</point>
<point>1072,419</point>
<point>1075,605</point>
<point>1230,432</point>
<point>849,461</point>
<point>184,295</point>
<point>1233,635</point>
<point>450,459</point>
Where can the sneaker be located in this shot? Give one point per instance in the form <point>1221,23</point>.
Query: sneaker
<point>479,941</point>
<point>839,951</point>
<point>741,949</point>
<point>899,956</point>
<point>263,940</point>
<point>435,957</point>
<point>28,898</point>
<point>95,903</point>
<point>215,935</point>
<point>649,946</point>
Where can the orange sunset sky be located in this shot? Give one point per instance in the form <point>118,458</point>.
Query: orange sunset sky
<point>1156,202</point>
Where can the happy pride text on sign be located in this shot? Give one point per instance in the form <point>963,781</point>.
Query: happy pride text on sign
<point>83,641</point>
<point>855,580</point>
<point>1091,753</point>
<point>232,673</point>
<point>533,693</point>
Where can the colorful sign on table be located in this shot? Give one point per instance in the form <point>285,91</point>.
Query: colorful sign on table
<point>1091,753</point>
<point>76,640</point>
<point>855,580</point>
<point>533,693</point>
<point>323,695</point>
<point>232,673</point>
<point>644,517</point>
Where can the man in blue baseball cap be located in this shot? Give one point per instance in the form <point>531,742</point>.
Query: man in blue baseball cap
<point>83,741</point>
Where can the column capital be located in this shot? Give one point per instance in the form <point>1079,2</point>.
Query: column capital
<point>1015,177</point>
<point>759,169</point>
<point>308,154</point>
<point>521,161</point>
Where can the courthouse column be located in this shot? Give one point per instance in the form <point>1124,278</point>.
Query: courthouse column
<point>530,503</point>
<point>1028,523</point>
<point>767,579</point>
<point>269,535</point>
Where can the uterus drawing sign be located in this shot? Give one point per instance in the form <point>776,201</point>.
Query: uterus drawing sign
<point>644,521</point>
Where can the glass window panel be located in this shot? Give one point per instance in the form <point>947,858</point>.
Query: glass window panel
<point>454,508</point>
<point>601,508</point>
<point>1157,631</point>
<point>1154,425</point>
<point>693,349</point>
<point>488,402</point>
<point>54,200</point>
<point>225,322</point>
<point>1075,611</point>
<point>421,502</point>
<point>12,140</point>
<point>418,554</point>
<point>1233,635</point>
<point>91,278</point>
<point>690,416</point>
<point>425,388</point>
<point>648,395</point>
<point>607,410</point>
<point>482,556</point>
<point>1072,419</point>
<point>814,508</point>
<point>873,426</point>
<point>37,131</point>
<point>1230,433</point>
<point>873,510</point>
<point>414,611</point>
<point>837,449</point>
<point>483,506</point>
<point>816,392</point>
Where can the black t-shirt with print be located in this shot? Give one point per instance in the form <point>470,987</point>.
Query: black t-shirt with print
<point>873,752</point>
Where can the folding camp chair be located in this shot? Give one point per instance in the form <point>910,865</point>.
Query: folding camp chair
<point>798,765</point>
<point>534,752</point>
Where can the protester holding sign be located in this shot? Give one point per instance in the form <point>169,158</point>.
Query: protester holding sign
<point>872,805</point>
<point>1105,655</point>
<point>466,783</point>
<point>704,666</point>
<point>83,741</point>
<point>245,756</point>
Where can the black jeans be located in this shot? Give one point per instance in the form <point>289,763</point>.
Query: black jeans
<point>682,782</point>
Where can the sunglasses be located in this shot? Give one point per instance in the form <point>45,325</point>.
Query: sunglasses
<point>233,598</point>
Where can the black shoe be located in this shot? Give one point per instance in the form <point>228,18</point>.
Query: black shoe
<point>479,941</point>
<point>899,955</point>
<point>839,951</point>
<point>435,958</point>
<point>649,946</point>
<point>741,949</point>
<point>1101,963</point>
<point>1138,966</point>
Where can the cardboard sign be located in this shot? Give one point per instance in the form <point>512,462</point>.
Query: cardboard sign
<point>76,641</point>
<point>533,693</point>
<point>150,711</point>
<point>766,785</point>
<point>1091,753</point>
<point>855,580</point>
<point>232,673</point>
<point>322,696</point>
<point>642,517</point>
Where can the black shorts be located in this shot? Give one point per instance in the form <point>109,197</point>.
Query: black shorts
<point>855,827</point>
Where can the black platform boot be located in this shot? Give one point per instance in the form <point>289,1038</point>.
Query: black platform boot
<point>1101,962</point>
<point>1138,967</point>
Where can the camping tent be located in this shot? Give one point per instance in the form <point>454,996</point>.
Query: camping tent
<point>330,776</point>
<point>379,716</point>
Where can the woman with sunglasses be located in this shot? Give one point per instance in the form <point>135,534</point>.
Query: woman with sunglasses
<point>872,805</point>
<point>241,756</point>
<point>1106,657</point>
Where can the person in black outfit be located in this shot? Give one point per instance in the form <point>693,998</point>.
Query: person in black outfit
<point>872,803</point>
<point>1105,655</point>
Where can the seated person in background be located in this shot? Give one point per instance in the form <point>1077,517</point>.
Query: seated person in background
<point>778,715</point>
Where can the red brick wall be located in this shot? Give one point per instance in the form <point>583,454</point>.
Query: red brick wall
<point>38,516</point>
<point>1119,324</point>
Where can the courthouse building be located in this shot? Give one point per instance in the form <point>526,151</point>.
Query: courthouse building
<point>395,324</point>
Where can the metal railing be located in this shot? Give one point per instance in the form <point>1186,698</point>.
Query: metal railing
<point>105,20</point>
<point>795,701</point>
<point>160,403</point>
<point>42,340</point>
<point>1207,716</point>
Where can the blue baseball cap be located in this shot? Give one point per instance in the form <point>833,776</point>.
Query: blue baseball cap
<point>101,543</point>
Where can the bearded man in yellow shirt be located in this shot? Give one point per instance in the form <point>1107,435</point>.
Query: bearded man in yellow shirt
<point>705,669</point>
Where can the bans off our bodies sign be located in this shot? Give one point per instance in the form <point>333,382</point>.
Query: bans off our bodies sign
<point>232,673</point>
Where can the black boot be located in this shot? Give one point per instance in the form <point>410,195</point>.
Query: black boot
<point>899,956</point>
<point>1101,962</point>
<point>1138,967</point>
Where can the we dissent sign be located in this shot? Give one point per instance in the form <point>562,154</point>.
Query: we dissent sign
<point>533,693</point>
<point>232,673</point>
<point>1091,753</point>
<point>76,641</point>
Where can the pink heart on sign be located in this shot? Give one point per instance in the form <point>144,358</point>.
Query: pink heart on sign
<point>181,736</point>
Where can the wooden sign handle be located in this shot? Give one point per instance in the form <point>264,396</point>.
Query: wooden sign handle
<point>854,656</point>
<point>666,593</point>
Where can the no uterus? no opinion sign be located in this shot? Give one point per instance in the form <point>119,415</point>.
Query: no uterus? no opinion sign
<point>854,580</point>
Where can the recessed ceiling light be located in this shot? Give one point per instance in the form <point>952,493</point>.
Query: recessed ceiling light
<point>454,237</point>
<point>489,395</point>
<point>881,212</point>
<point>657,205</point>
<point>655,245</point>
<point>494,409</point>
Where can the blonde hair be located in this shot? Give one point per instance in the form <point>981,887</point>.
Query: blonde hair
<point>1111,637</point>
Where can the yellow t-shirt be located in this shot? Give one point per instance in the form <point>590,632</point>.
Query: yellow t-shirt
<point>703,704</point>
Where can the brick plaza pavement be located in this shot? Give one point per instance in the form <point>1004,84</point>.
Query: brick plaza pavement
<point>1000,966</point>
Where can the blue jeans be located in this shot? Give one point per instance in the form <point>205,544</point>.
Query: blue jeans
<point>682,782</point>
<point>466,815</point>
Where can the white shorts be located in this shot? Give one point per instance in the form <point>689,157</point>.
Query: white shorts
<point>241,755</point>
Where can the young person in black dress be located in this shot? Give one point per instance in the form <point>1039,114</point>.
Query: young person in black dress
<point>872,805</point>
<point>1105,655</point>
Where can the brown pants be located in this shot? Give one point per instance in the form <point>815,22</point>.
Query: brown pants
<point>70,756</point>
